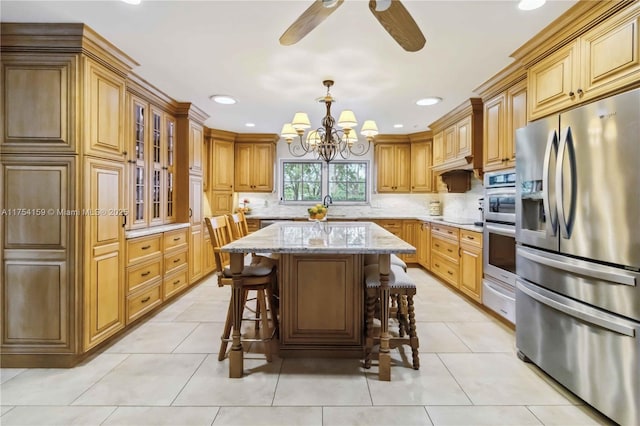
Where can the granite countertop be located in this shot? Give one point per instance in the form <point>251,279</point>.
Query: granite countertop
<point>154,230</point>
<point>321,237</point>
<point>455,222</point>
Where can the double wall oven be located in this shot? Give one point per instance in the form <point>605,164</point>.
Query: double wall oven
<point>500,243</point>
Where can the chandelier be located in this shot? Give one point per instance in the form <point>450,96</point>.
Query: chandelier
<point>327,141</point>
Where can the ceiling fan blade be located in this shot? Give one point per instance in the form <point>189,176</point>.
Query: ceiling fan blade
<point>310,18</point>
<point>399,23</point>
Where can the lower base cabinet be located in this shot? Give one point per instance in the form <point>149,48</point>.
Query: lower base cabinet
<point>471,264</point>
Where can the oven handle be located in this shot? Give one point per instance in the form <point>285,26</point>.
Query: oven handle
<point>506,230</point>
<point>576,313</point>
<point>568,265</point>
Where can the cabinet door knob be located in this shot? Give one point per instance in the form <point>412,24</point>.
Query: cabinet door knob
<point>580,92</point>
<point>571,94</point>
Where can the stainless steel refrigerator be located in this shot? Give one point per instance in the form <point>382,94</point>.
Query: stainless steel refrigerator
<point>578,251</point>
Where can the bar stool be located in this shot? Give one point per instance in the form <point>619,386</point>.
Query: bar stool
<point>259,277</point>
<point>401,287</point>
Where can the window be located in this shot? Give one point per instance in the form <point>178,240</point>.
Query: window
<point>310,181</point>
<point>348,181</point>
<point>302,181</point>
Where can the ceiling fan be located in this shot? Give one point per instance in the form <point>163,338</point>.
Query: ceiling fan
<point>393,16</point>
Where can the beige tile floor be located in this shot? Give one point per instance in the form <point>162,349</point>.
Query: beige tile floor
<point>165,372</point>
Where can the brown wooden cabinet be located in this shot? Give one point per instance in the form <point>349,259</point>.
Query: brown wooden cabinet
<point>424,245</point>
<point>144,275</point>
<point>104,286</point>
<point>411,234</point>
<point>62,155</point>
<point>151,160</point>
<point>254,162</point>
<point>393,166</point>
<point>505,110</point>
<point>471,264</point>
<point>458,138</point>
<point>444,253</point>
<point>222,170</point>
<point>421,162</point>
<point>601,60</point>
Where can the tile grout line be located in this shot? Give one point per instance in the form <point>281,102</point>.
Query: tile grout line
<point>101,378</point>
<point>455,379</point>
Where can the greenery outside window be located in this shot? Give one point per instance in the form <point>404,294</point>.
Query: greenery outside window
<point>306,182</point>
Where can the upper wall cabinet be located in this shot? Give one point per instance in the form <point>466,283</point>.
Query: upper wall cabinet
<point>49,83</point>
<point>505,110</point>
<point>603,59</point>
<point>393,164</point>
<point>220,155</point>
<point>151,153</point>
<point>457,138</point>
<point>421,154</point>
<point>255,162</point>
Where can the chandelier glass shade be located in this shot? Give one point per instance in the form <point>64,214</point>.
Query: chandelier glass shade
<point>331,139</point>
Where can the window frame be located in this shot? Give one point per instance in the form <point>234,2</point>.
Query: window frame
<point>324,182</point>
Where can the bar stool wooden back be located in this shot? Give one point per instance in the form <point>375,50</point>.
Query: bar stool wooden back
<point>260,277</point>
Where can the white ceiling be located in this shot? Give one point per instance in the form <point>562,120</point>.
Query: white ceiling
<point>193,49</point>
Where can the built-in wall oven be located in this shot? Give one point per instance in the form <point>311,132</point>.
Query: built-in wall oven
<point>500,243</point>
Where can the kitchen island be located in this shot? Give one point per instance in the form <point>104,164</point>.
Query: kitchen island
<point>321,287</point>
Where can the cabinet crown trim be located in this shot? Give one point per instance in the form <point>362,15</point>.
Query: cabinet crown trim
<point>470,106</point>
<point>193,112</point>
<point>258,137</point>
<point>583,16</point>
<point>64,37</point>
<point>218,134</point>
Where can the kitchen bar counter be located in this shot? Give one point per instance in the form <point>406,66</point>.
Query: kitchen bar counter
<point>321,269</point>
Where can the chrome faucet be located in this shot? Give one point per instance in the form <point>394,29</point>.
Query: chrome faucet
<point>327,200</point>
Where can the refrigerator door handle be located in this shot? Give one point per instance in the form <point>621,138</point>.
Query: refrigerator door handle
<point>564,219</point>
<point>588,270</point>
<point>552,145</point>
<point>605,323</point>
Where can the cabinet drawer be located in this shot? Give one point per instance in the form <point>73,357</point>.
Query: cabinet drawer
<point>393,226</point>
<point>445,231</point>
<point>144,301</point>
<point>445,248</point>
<point>138,276</point>
<point>471,238</point>
<point>174,261</point>
<point>445,269</point>
<point>253,224</point>
<point>175,238</point>
<point>175,282</point>
<point>143,248</point>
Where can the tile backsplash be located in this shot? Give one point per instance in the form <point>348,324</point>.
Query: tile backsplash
<point>453,205</point>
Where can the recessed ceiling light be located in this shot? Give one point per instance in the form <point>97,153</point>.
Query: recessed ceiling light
<point>530,4</point>
<point>132,1</point>
<point>223,99</point>
<point>250,124</point>
<point>432,100</point>
<point>398,126</point>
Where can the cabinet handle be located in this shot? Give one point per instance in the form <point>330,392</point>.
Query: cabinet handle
<point>449,232</point>
<point>449,272</point>
<point>470,237</point>
<point>190,212</point>
<point>177,260</point>
<point>177,239</point>
<point>176,282</point>
<point>450,251</point>
<point>145,247</point>
<point>437,245</point>
<point>165,168</point>
<point>124,220</point>
<point>144,274</point>
<point>146,299</point>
